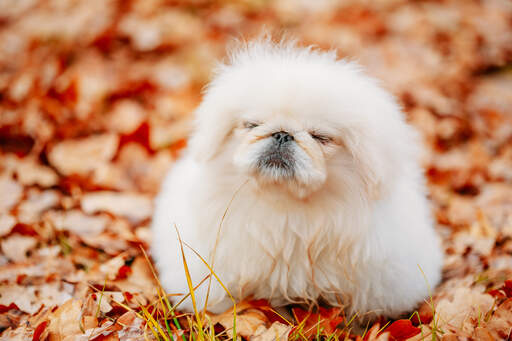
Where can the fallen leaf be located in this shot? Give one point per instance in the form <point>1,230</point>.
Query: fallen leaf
<point>325,320</point>
<point>125,117</point>
<point>30,173</point>
<point>247,321</point>
<point>30,298</point>
<point>77,222</point>
<point>500,323</point>
<point>111,268</point>
<point>64,322</point>
<point>82,156</point>
<point>402,330</point>
<point>483,334</point>
<point>40,329</point>
<point>16,247</point>
<point>10,193</point>
<point>277,331</point>
<point>458,311</point>
<point>29,211</point>
<point>133,206</point>
<point>7,222</point>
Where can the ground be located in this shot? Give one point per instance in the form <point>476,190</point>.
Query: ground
<point>96,100</point>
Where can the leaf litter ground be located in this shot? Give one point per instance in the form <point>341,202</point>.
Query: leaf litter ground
<point>95,105</point>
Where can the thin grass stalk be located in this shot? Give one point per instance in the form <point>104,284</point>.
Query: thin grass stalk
<point>190,286</point>
<point>217,238</point>
<point>169,306</point>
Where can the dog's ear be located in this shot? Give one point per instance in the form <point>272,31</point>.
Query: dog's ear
<point>212,127</point>
<point>370,161</point>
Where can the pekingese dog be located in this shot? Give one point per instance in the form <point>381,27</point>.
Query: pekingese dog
<point>300,184</point>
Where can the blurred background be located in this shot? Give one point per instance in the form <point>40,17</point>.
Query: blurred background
<point>97,97</point>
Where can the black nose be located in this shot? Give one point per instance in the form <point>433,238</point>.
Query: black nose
<point>282,137</point>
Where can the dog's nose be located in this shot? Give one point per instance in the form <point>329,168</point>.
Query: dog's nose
<point>282,137</point>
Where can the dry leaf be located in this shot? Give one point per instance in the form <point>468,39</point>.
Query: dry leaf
<point>247,321</point>
<point>135,207</point>
<point>29,173</point>
<point>30,299</point>
<point>29,211</point>
<point>277,331</point>
<point>77,222</point>
<point>10,193</point>
<point>64,322</point>
<point>500,324</point>
<point>7,222</point>
<point>458,312</point>
<point>16,247</point>
<point>84,155</point>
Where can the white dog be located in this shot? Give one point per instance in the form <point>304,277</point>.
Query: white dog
<point>301,184</point>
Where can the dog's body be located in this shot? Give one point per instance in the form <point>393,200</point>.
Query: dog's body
<point>316,173</point>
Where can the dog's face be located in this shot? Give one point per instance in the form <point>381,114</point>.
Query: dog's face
<point>284,147</point>
<point>299,121</point>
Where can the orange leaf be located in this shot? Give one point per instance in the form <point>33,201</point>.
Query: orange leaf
<point>325,319</point>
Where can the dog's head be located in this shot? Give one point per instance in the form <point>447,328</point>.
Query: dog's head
<point>301,120</point>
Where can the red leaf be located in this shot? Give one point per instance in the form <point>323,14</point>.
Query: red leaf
<point>301,314</point>
<point>504,291</point>
<point>263,306</point>
<point>6,308</point>
<point>13,140</point>
<point>39,330</point>
<point>424,318</point>
<point>123,272</point>
<point>402,330</point>
<point>335,322</point>
<point>139,135</point>
<point>507,288</point>
<point>128,296</point>
<point>496,293</point>
<point>20,278</point>
<point>24,229</point>
<point>68,96</point>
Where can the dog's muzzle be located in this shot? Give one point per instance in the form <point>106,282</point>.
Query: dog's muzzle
<point>278,157</point>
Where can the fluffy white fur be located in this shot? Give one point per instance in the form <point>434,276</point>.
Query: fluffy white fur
<point>345,222</point>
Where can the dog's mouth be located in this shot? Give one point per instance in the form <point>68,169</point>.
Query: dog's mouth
<point>276,162</point>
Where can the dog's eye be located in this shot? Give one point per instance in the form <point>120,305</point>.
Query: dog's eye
<point>321,138</point>
<point>250,125</point>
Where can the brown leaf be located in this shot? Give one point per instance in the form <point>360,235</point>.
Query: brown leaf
<point>64,322</point>
<point>77,222</point>
<point>500,324</point>
<point>30,298</point>
<point>458,311</point>
<point>16,247</point>
<point>7,222</point>
<point>10,193</point>
<point>247,321</point>
<point>30,172</point>
<point>277,331</point>
<point>29,211</point>
<point>135,207</point>
<point>83,155</point>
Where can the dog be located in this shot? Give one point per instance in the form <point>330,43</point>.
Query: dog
<point>300,184</point>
